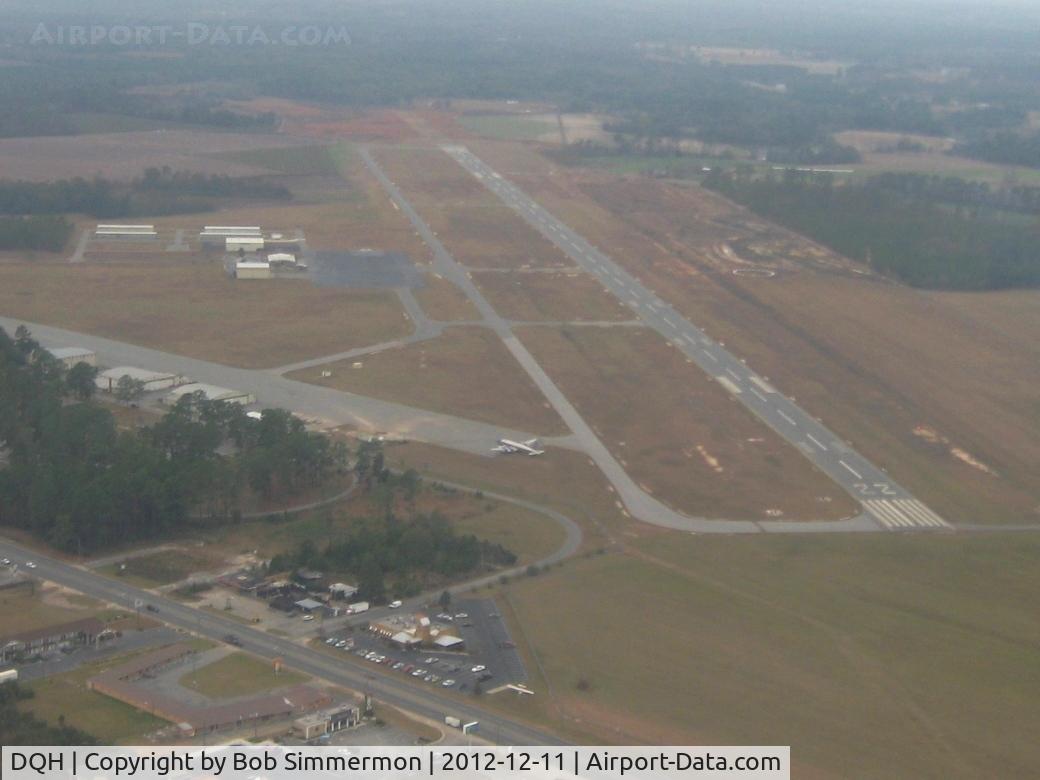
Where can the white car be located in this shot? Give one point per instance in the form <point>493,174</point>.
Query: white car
<point>308,617</point>
<point>462,616</point>
<point>478,668</point>
<point>395,604</point>
<point>447,683</point>
<point>331,640</point>
<point>5,561</point>
<point>30,565</point>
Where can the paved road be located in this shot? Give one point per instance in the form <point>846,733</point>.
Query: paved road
<point>426,703</point>
<point>887,504</point>
<point>321,403</point>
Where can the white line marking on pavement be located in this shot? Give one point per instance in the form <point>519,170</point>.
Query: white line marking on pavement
<point>817,442</point>
<point>784,414</point>
<point>852,471</point>
<point>758,395</point>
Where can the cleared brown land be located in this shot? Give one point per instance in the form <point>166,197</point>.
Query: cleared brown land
<point>551,296</point>
<point>680,435</point>
<point>198,311</point>
<point>465,372</point>
<point>861,653</point>
<point>442,300</point>
<point>876,361</point>
<point>476,228</point>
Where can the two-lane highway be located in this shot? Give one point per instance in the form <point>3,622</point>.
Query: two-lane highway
<point>431,703</point>
<point>887,503</point>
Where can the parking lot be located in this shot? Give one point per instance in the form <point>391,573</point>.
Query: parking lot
<point>490,658</point>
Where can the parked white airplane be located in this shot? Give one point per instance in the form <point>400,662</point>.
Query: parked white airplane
<point>509,447</point>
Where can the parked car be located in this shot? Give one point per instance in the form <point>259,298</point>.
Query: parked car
<point>398,665</point>
<point>461,615</point>
<point>478,668</point>
<point>231,639</point>
<point>418,672</point>
<point>30,565</point>
<point>308,617</point>
<point>395,604</point>
<point>447,683</point>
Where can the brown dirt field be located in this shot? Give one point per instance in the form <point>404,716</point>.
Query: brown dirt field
<point>555,296</point>
<point>442,300</point>
<point>307,119</point>
<point>874,360</point>
<point>475,227</point>
<point>680,435</point>
<point>466,372</point>
<point>200,312</point>
<point>126,155</point>
<point>870,140</point>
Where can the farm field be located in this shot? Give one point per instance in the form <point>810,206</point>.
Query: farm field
<point>925,384</point>
<point>466,372</point>
<point>679,434</point>
<point>555,296</point>
<point>199,312</point>
<point>476,228</point>
<point>877,639</point>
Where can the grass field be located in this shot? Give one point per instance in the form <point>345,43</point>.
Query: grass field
<point>863,654</point>
<point>200,312</point>
<point>465,372</point>
<point>111,721</point>
<point>922,383</point>
<point>24,610</point>
<point>563,480</point>
<point>552,296</point>
<point>528,534</point>
<point>442,300</point>
<point>680,435</point>
<point>289,160</point>
<point>476,228</point>
<point>162,568</point>
<point>510,127</point>
<point>238,674</point>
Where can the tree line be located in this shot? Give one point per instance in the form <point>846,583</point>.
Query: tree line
<point>157,191</point>
<point>49,233</point>
<point>897,227</point>
<point>77,482</point>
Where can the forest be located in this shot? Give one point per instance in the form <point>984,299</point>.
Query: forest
<point>49,233</point>
<point>77,482</point>
<point>903,226</point>
<point>156,192</point>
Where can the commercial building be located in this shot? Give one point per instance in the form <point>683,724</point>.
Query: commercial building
<point>210,393</point>
<point>108,380</point>
<point>319,724</point>
<point>70,356</point>
<point>252,269</point>
<point>341,590</point>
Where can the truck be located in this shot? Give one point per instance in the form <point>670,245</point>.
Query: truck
<point>452,721</point>
<point>357,608</point>
<point>8,675</point>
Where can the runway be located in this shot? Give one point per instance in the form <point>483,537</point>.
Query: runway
<point>887,503</point>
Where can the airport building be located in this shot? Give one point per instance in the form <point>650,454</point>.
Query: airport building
<point>70,356</point>
<point>210,393</point>
<point>217,235</point>
<point>233,244</point>
<point>252,269</point>
<point>116,232</point>
<point>108,380</point>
